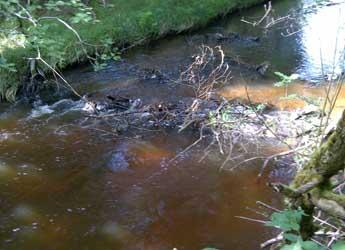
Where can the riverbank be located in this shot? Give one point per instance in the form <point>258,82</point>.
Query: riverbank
<point>120,23</point>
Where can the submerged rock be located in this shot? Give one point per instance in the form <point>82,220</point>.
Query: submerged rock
<point>118,162</point>
<point>263,67</point>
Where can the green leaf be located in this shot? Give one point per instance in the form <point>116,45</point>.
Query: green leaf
<point>286,220</point>
<point>282,76</point>
<point>284,79</point>
<point>302,245</point>
<point>7,66</point>
<point>260,107</point>
<point>340,245</point>
<point>291,237</point>
<point>309,245</point>
<point>294,246</point>
<point>209,248</point>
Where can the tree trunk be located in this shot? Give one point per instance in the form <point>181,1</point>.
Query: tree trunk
<point>312,187</point>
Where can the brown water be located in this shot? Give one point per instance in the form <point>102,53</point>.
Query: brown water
<point>66,182</point>
<point>263,92</point>
<point>74,189</point>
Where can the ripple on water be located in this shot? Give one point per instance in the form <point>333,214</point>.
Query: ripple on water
<point>41,111</point>
<point>58,108</point>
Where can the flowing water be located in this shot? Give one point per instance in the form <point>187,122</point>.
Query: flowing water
<point>66,182</point>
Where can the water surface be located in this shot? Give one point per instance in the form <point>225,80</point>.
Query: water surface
<point>67,182</point>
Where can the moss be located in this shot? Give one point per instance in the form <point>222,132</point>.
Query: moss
<point>327,160</point>
<point>329,202</point>
<point>329,195</point>
<point>124,22</point>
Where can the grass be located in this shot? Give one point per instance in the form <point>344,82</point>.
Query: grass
<point>123,22</point>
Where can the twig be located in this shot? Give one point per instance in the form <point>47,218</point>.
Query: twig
<point>272,241</point>
<point>189,147</point>
<point>250,219</point>
<point>268,159</point>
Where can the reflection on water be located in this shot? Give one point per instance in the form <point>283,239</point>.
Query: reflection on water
<point>66,185</point>
<point>317,39</point>
<point>312,36</point>
<point>322,41</point>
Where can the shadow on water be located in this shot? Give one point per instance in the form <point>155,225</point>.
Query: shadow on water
<point>67,184</point>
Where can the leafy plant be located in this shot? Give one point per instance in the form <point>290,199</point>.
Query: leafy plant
<point>285,81</point>
<point>106,53</point>
<point>289,222</point>
<point>340,245</point>
<point>260,107</point>
<point>223,117</point>
<point>39,24</point>
<point>146,19</point>
<point>7,66</point>
<point>302,245</point>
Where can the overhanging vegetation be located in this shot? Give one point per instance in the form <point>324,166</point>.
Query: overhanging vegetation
<point>119,23</point>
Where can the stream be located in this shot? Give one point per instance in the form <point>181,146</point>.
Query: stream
<point>67,182</point>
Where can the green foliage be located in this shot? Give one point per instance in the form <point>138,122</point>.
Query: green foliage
<point>107,53</point>
<point>147,19</point>
<point>285,81</point>
<point>309,245</point>
<point>119,22</point>
<point>10,93</point>
<point>228,116</point>
<point>302,245</point>
<point>260,107</point>
<point>80,12</point>
<point>224,118</point>
<point>41,24</point>
<point>39,20</point>
<point>289,222</point>
<point>7,66</point>
<point>340,245</point>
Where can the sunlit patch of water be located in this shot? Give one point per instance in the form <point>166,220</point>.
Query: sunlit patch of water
<point>304,95</point>
<point>321,39</point>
